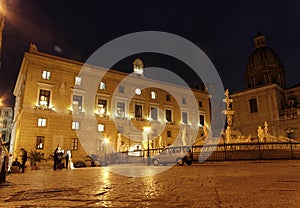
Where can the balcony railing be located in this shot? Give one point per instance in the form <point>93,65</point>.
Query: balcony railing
<point>44,107</point>
<point>289,113</point>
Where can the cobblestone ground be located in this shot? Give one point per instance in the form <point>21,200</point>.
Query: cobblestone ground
<point>211,184</point>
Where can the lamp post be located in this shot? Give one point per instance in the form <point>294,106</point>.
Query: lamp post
<point>147,130</point>
<point>105,143</point>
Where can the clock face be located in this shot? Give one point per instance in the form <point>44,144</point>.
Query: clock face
<point>138,91</point>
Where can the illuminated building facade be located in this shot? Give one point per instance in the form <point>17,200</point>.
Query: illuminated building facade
<point>51,101</point>
<point>267,98</point>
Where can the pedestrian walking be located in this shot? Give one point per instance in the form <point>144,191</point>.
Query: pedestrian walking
<point>68,158</point>
<point>58,156</point>
<point>24,159</point>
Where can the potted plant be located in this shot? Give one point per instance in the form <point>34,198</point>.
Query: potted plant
<point>35,156</point>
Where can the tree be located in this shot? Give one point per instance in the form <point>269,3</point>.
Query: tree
<point>35,156</point>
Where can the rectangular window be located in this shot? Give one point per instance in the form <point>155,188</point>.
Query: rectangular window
<point>44,98</point>
<point>184,117</point>
<point>169,134</point>
<point>121,89</point>
<point>102,86</point>
<point>77,103</point>
<point>138,111</point>
<point>74,144</point>
<point>4,124</point>
<point>120,129</point>
<point>201,120</point>
<point>154,132</point>
<point>100,127</point>
<point>40,142</point>
<point>42,122</point>
<point>153,95</point>
<point>253,105</point>
<point>200,104</point>
<point>102,107</point>
<point>154,113</point>
<point>77,81</point>
<point>183,101</point>
<point>46,75</point>
<point>169,115</point>
<point>168,98</point>
<point>120,109</point>
<point>75,125</point>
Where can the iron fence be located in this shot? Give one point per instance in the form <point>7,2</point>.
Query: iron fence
<point>223,152</point>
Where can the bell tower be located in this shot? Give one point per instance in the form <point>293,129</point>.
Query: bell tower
<point>138,67</point>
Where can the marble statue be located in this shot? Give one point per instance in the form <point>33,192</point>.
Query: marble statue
<point>260,134</point>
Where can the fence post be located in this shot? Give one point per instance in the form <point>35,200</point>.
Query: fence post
<point>259,148</point>
<point>225,151</point>
<point>291,148</point>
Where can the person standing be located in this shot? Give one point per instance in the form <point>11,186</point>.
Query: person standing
<point>24,159</point>
<point>55,156</point>
<point>68,158</point>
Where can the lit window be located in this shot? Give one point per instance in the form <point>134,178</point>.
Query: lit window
<point>102,86</point>
<point>75,125</point>
<point>121,89</point>
<point>121,109</point>
<point>77,104</point>
<point>46,75</point>
<point>184,117</point>
<point>100,127</point>
<point>101,108</point>
<point>183,101</point>
<point>74,144</point>
<point>42,122</point>
<point>153,95</point>
<point>44,97</point>
<point>39,142</point>
<point>154,113</point>
<point>78,81</point>
<point>169,115</point>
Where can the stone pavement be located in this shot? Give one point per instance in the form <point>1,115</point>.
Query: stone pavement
<point>211,184</point>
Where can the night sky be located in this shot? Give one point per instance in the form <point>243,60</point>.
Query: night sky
<point>224,30</point>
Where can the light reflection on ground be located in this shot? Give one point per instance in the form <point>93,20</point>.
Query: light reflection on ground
<point>137,170</point>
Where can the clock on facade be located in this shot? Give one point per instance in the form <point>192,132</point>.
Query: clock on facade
<point>138,91</point>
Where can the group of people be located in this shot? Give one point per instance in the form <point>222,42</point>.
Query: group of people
<point>58,158</point>
<point>21,165</point>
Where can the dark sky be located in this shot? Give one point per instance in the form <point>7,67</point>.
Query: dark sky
<point>224,30</point>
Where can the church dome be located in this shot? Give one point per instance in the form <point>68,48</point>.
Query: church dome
<point>263,66</point>
<point>263,56</point>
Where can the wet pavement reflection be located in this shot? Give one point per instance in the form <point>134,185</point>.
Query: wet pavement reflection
<point>220,184</point>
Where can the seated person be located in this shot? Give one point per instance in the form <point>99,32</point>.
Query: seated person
<point>16,163</point>
<point>15,167</point>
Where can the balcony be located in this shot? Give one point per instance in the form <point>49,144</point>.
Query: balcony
<point>289,113</point>
<point>138,119</point>
<point>44,108</point>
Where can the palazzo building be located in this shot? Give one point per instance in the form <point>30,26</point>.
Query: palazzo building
<point>267,98</point>
<point>6,117</point>
<point>54,106</point>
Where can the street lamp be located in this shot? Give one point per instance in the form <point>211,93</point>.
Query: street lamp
<point>147,130</point>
